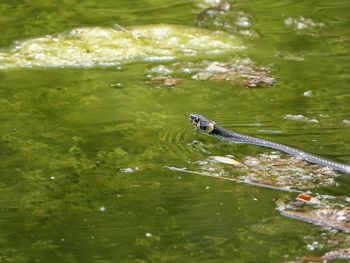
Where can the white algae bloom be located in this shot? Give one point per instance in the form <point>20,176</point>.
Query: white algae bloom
<point>97,46</point>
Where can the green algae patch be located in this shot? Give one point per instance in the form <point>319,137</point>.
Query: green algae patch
<point>97,46</point>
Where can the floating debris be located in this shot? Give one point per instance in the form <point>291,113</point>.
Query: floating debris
<point>240,71</point>
<point>97,46</point>
<point>213,10</point>
<point>314,245</point>
<point>323,213</point>
<point>216,67</point>
<point>161,76</point>
<point>243,20</point>
<point>220,14</point>
<point>271,170</point>
<point>129,170</point>
<point>346,122</point>
<point>303,24</point>
<point>299,117</point>
<point>226,160</point>
<point>117,85</point>
<point>342,254</point>
<point>304,197</point>
<point>282,172</point>
<point>203,4</point>
<point>160,69</point>
<point>286,172</point>
<point>308,93</point>
<point>169,82</point>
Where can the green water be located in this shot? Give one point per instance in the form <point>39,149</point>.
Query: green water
<point>67,135</point>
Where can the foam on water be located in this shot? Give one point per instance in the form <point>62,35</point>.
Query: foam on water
<point>97,46</point>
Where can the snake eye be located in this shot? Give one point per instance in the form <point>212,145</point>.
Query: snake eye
<point>193,118</point>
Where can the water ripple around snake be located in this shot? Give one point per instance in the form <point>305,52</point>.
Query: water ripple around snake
<point>178,139</point>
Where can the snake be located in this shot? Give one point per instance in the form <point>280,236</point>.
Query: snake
<point>209,127</point>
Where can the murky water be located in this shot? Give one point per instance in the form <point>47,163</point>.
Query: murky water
<point>84,150</point>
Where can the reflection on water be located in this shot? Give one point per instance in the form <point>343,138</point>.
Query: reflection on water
<point>69,135</point>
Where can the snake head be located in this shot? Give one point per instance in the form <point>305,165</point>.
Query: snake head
<point>201,123</point>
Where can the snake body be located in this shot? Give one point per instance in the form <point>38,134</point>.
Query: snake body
<point>212,128</point>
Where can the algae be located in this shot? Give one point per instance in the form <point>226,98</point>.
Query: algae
<point>97,46</point>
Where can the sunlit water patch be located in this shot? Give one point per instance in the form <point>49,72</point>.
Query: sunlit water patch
<point>96,46</point>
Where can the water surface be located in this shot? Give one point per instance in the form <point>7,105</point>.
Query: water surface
<point>83,150</point>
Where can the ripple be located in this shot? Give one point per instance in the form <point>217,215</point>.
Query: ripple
<point>176,137</point>
<point>180,137</point>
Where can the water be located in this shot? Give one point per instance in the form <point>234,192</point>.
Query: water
<point>69,135</point>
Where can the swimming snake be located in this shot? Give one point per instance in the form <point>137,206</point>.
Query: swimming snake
<point>211,128</point>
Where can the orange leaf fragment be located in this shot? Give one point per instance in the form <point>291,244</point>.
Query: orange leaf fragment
<point>304,197</point>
